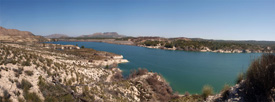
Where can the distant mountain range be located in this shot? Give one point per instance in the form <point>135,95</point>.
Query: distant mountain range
<point>14,35</point>
<point>103,35</point>
<point>57,36</point>
<point>94,35</point>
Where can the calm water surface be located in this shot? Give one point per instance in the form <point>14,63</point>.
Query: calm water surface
<point>185,71</point>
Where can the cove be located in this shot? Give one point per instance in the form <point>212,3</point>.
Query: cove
<point>185,71</point>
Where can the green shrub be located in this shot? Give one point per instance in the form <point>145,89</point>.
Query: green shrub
<point>29,73</point>
<point>26,63</point>
<point>25,85</point>
<point>6,97</point>
<point>152,43</point>
<point>11,80</point>
<point>51,91</point>
<point>49,62</point>
<point>261,79</point>
<point>169,45</point>
<point>207,90</point>
<point>18,72</point>
<point>31,97</point>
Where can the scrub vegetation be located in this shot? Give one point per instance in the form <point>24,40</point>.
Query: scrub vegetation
<point>38,74</point>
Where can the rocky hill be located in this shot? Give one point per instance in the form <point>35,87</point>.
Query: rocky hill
<point>102,35</point>
<point>14,35</point>
<point>56,36</point>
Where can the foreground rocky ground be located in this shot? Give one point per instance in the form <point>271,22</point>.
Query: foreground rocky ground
<point>33,74</point>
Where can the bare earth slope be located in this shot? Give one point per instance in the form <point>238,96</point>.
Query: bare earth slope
<point>14,35</point>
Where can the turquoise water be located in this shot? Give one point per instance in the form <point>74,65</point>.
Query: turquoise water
<point>185,71</point>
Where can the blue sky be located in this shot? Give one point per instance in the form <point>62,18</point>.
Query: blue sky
<point>211,19</point>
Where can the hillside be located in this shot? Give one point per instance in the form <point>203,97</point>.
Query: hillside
<point>14,35</point>
<point>40,73</point>
<point>56,36</point>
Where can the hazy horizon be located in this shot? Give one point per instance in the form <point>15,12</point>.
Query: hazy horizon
<point>207,19</point>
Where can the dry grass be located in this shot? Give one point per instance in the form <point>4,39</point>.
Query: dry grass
<point>225,91</point>
<point>240,78</point>
<point>207,90</point>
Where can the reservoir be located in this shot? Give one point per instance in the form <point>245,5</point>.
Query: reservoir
<point>185,71</point>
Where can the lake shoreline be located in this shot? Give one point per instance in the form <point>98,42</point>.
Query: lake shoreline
<point>136,56</point>
<point>130,43</point>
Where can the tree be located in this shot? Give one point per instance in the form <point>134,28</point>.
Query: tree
<point>168,45</point>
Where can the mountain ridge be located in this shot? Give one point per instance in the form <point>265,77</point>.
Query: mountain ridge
<point>56,36</point>
<point>103,35</point>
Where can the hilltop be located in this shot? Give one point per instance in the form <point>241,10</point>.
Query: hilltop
<point>14,35</point>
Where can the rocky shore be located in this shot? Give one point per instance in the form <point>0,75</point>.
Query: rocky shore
<point>206,49</point>
<point>140,42</point>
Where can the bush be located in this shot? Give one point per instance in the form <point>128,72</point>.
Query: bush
<point>207,90</point>
<point>51,91</point>
<point>29,73</point>
<point>169,45</point>
<point>31,97</point>
<point>49,62</point>
<point>186,93</point>
<point>135,73</point>
<point>162,90</point>
<point>18,72</point>
<point>26,63</point>
<point>261,79</point>
<point>118,76</point>
<point>225,91</point>
<point>240,78</point>
<point>25,85</point>
<point>6,96</point>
